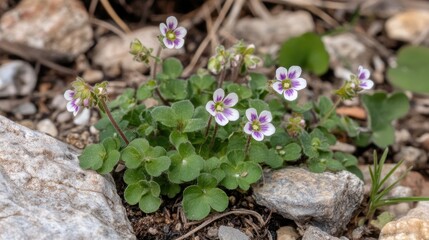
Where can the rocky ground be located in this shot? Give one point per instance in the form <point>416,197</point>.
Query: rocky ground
<point>45,44</point>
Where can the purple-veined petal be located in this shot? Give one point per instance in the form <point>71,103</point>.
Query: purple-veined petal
<point>210,107</point>
<point>248,128</point>
<point>70,106</point>
<point>268,129</point>
<point>230,100</point>
<point>299,83</point>
<point>168,43</point>
<point>221,119</point>
<point>180,32</point>
<point>171,22</point>
<point>76,110</point>
<point>363,74</point>
<point>251,114</point>
<point>290,94</point>
<point>218,95</point>
<point>281,73</point>
<point>278,87</point>
<point>231,114</point>
<point>163,29</point>
<point>258,136</point>
<point>366,84</point>
<point>178,43</point>
<point>294,72</point>
<point>68,95</point>
<point>265,117</point>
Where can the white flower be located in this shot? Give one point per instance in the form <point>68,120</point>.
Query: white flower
<point>259,126</point>
<point>173,36</point>
<point>364,82</point>
<point>221,107</point>
<point>73,104</point>
<point>288,82</point>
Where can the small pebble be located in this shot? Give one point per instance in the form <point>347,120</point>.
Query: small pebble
<point>92,76</point>
<point>27,108</point>
<point>212,232</point>
<point>82,118</point>
<point>47,126</point>
<point>59,102</point>
<point>152,231</point>
<point>64,117</point>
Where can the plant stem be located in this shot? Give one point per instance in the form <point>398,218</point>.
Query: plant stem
<point>208,126</point>
<point>153,75</point>
<point>112,120</point>
<point>246,149</point>
<point>214,135</point>
<point>330,112</point>
<point>221,78</point>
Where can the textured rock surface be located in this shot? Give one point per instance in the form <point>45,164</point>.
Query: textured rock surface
<point>274,30</point>
<point>314,233</point>
<point>17,78</point>
<point>408,25</point>
<point>415,225</point>
<point>287,233</point>
<point>229,233</point>
<point>45,195</point>
<point>56,25</point>
<point>325,200</point>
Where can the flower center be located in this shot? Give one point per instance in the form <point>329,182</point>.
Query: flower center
<point>256,126</point>
<point>219,107</point>
<point>170,35</point>
<point>286,83</point>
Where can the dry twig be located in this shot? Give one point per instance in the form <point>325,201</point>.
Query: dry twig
<point>114,15</point>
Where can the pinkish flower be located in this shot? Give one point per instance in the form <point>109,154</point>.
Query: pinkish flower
<point>288,82</point>
<point>173,36</point>
<point>73,104</point>
<point>259,126</point>
<point>364,82</point>
<point>221,107</point>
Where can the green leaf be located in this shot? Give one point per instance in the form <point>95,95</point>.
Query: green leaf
<point>198,202</point>
<point>176,138</point>
<point>186,149</point>
<point>206,181</point>
<point>134,175</point>
<point>236,156</point>
<point>236,142</point>
<point>382,219</point>
<point>412,69</point>
<point>145,90</point>
<point>307,51</point>
<point>170,189</point>
<point>172,67</point>
<point>110,162</point>
<point>149,203</point>
<point>316,166</point>
<point>242,175</point>
<point>273,159</point>
<point>165,115</point>
<point>259,105</point>
<point>202,82</point>
<point>92,157</point>
<point>258,152</point>
<point>111,143</point>
<point>156,166</point>
<point>384,137</point>
<point>334,165</point>
<point>132,157</point>
<point>175,89</point>
<point>183,109</point>
<point>134,192</point>
<point>243,92</point>
<point>193,125</point>
<point>185,169</point>
<point>292,152</point>
<point>306,143</point>
<point>258,81</point>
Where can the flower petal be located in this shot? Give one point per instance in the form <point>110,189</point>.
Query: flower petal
<point>178,43</point>
<point>290,94</point>
<point>278,87</point>
<point>294,72</point>
<point>210,107</point>
<point>70,106</point>
<point>221,119</point>
<point>363,73</point>
<point>268,129</point>
<point>258,136</point>
<point>299,83</point>
<point>248,128</point>
<point>168,43</point>
<point>281,73</point>
<point>251,114</point>
<point>76,110</point>
<point>218,95</point>
<point>68,95</point>
<point>265,117</point>
<point>366,84</point>
<point>171,22</point>
<point>230,100</point>
<point>180,32</point>
<point>231,114</point>
<point>163,29</point>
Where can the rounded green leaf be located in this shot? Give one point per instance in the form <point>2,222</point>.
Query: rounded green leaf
<point>92,157</point>
<point>165,115</point>
<point>193,203</point>
<point>193,125</point>
<point>273,159</point>
<point>259,105</point>
<point>206,181</point>
<point>110,162</point>
<point>292,152</point>
<point>249,172</point>
<point>176,138</point>
<point>149,203</point>
<point>217,199</point>
<point>186,169</point>
<point>134,192</point>
<point>156,166</point>
<point>134,175</point>
<point>230,181</point>
<point>186,149</point>
<point>172,67</point>
<point>132,157</point>
<point>111,143</point>
<point>183,109</point>
<point>258,152</point>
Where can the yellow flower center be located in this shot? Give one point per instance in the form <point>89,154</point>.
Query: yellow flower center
<point>286,84</point>
<point>170,35</point>
<point>219,107</point>
<point>256,126</point>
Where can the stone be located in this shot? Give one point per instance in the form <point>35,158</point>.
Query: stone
<point>59,102</point>
<point>64,117</point>
<point>334,197</point>
<point>27,108</point>
<point>415,181</point>
<point>413,157</point>
<point>408,25</point>
<point>386,168</point>
<point>274,30</point>
<point>112,52</point>
<point>47,126</point>
<point>83,117</point>
<point>314,233</point>
<point>345,49</point>
<point>424,141</point>
<point>287,233</point>
<point>17,78</point>
<point>44,194</point>
<point>400,209</point>
<point>228,233</point>
<point>44,25</point>
<point>92,76</point>
<point>414,225</point>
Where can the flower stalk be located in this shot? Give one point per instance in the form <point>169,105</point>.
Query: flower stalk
<point>113,121</point>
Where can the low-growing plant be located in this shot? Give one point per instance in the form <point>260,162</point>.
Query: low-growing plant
<point>215,130</point>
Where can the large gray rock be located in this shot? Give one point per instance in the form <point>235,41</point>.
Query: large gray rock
<point>45,195</point>
<point>325,200</point>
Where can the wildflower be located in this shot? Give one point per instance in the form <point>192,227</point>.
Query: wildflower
<point>220,61</point>
<point>288,82</point>
<point>259,126</point>
<point>356,84</point>
<point>221,107</point>
<point>295,125</point>
<point>172,35</point>
<point>364,82</point>
<point>73,104</point>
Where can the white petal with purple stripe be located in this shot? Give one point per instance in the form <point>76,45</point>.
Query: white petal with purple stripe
<point>298,83</point>
<point>251,114</point>
<point>268,129</point>
<point>221,119</point>
<point>210,107</point>
<point>265,117</point>
<point>294,72</point>
<point>171,22</point>
<point>230,100</point>
<point>218,95</point>
<point>231,114</point>
<point>281,73</point>
<point>290,94</point>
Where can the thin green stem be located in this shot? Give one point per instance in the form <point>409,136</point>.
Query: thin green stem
<point>214,135</point>
<point>153,75</point>
<point>221,78</point>
<point>246,148</point>
<point>326,117</point>
<point>208,126</point>
<point>113,121</point>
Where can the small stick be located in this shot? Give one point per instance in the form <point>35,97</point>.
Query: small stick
<point>114,123</point>
<point>115,16</point>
